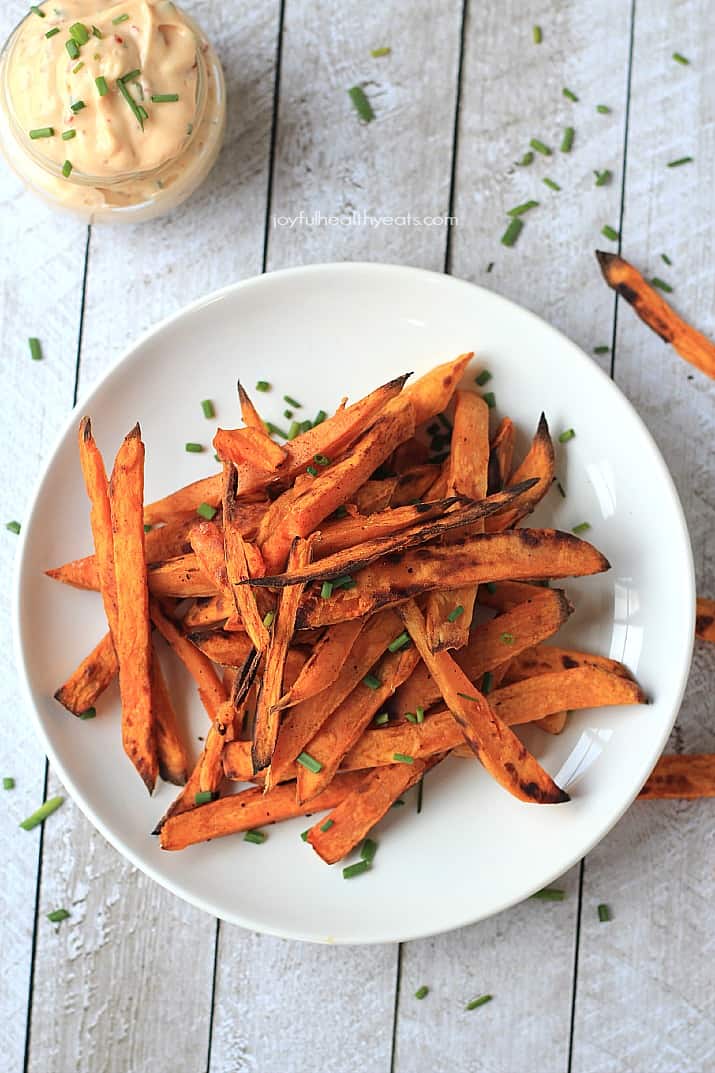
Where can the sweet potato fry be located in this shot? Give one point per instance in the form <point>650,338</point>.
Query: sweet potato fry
<point>343,728</point>
<point>227,649</point>
<point>79,573</point>
<point>574,689</point>
<point>86,684</point>
<point>171,752</point>
<point>184,502</point>
<point>431,394</point>
<point>249,413</point>
<point>180,578</point>
<point>303,722</point>
<point>132,632</point>
<point>185,800</point>
<point>531,553</point>
<point>251,447</point>
<point>705,619</point>
<point>207,613</point>
<point>325,663</point>
<point>100,520</point>
<point>373,496</point>
<point>211,689</point>
<point>237,567</point>
<point>500,751</point>
<point>416,484</point>
<point>539,462</point>
<point>492,644</point>
<point>554,723</point>
<point>449,613</point>
<point>412,453</point>
<point>678,776</point>
<point>545,659</point>
<point>347,533</point>
<point>654,311</point>
<point>267,715</point>
<point>336,484</point>
<point>353,559</point>
<point>501,453</point>
<point>506,594</point>
<point>207,544</point>
<point>247,810</point>
<point>358,812</point>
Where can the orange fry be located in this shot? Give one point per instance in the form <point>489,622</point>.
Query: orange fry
<point>171,752</point>
<point>86,684</point>
<point>251,447</point>
<point>501,454</point>
<point>237,567</point>
<point>679,776</point>
<point>211,689</point>
<point>705,619</point>
<point>325,664</point>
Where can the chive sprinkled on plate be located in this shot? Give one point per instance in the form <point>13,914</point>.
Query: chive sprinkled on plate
<point>77,106</point>
<point>549,894</point>
<point>368,850</point>
<point>491,587</point>
<point>661,284</point>
<point>72,49</point>
<point>203,797</point>
<point>582,527</point>
<point>8,783</point>
<point>102,87</point>
<point>420,714</point>
<point>294,430</point>
<point>304,834</point>
<point>345,582</point>
<point>397,804</point>
<point>528,158</point>
<point>467,696</point>
<point>309,762</point>
<point>422,992</point>
<point>275,430</point>
<point>603,109</point>
<point>164,98</point>
<point>193,448</point>
<point>537,35</point>
<point>292,402</point>
<point>411,717</point>
<point>477,1002</point>
<point>319,418</point>
<point>490,399</point>
<point>551,184</point>
<point>483,378</point>
<point>540,147</point>
<point>256,837</point>
<point>378,53</point>
<point>400,642</point>
<point>681,160</point>
<point>78,68</point>
<point>130,76</point>
<point>356,869</point>
<point>97,33</point>
<point>268,619</point>
<point>119,19</point>
<point>205,510</point>
<point>67,169</point>
<point>53,32</point>
<point>37,11</point>
<point>136,111</point>
<point>312,471</point>
<point>519,210</point>
<point>326,590</point>
<point>88,713</point>
<point>569,94</point>
<point>361,103</point>
<point>288,414</point>
<point>455,613</point>
<point>604,913</point>
<point>602,349</point>
<point>40,814</point>
<point>609,232</point>
<point>680,58</point>
<point>14,527</point>
<point>327,825</point>
<point>486,682</point>
<point>207,408</point>
<point>567,140</point>
<point>35,348</point>
<point>42,132</point>
<point>57,915</point>
<point>603,177</point>
<point>666,260</point>
<point>567,434</point>
<point>512,232</point>
<point>381,719</point>
<point>68,135</point>
<point>506,638</point>
<point>403,758</point>
<point>321,460</point>
<point>371,681</point>
<point>79,33</point>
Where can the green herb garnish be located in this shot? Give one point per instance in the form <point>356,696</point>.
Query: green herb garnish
<point>484,376</point>
<point>422,992</point>
<point>604,913</point>
<point>57,915</point>
<point>257,837</point>
<point>519,210</point>
<point>119,18</point>
<point>309,762</point>
<point>490,399</point>
<point>88,713</point>
<point>400,642</point>
<point>268,619</point>
<point>540,147</point>
<point>102,87</point>
<point>512,232</point>
<point>486,682</point>
<point>193,448</point>
<point>603,109</point>
<point>356,869</point>
<point>656,281</point>
<point>603,177</point>
<point>666,259</point>
<point>53,31</point>
<point>14,527</point>
<point>42,132</point>
<point>77,107</point>
<point>378,53</point>
<point>603,349</point>
<point>569,94</point>
<point>476,1002</point>
<point>455,613</point>
<point>549,894</point>
<point>537,35</point>
<point>680,160</point>
<point>35,348</point>
<point>68,135</point>
<point>79,33</point>
<point>361,103</point>
<point>402,758</point>
<point>680,58</point>
<point>551,184</point>
<point>582,527</point>
<point>327,825</point>
<point>37,11</point>
<point>381,719</point>
<point>567,140</point>
<point>371,681</point>
<point>67,169</point>
<point>208,408</point>
<point>326,590</point>
<point>203,797</point>
<point>40,815</point>
<point>72,48</point>
<point>8,783</point>
<point>609,232</point>
<point>136,112</point>
<point>567,434</point>
<point>528,158</point>
<point>164,98</point>
<point>205,510</point>
<point>369,849</point>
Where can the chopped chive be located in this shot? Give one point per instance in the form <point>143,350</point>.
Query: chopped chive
<point>490,266</point>
<point>656,281</point>
<point>203,797</point>
<point>551,184</point>
<point>293,430</point>
<point>97,32</point>
<point>119,18</point>
<point>486,682</point>
<point>67,169</point>
<point>420,713</point>
<point>368,850</point>
<point>312,471</point>
<point>344,582</point>
<point>666,259</point>
<point>37,11</point>
<point>378,53</point>
<point>361,103</point>
<point>208,408</point>
<point>371,681</point>
<point>321,460</point>
<point>14,527</point>
<point>549,894</point>
<point>68,135</point>
<point>603,177</point>
<point>609,232</point>
<point>206,511</point>
<point>397,804</point>
<point>102,87</point>
<point>455,613</point>
<point>604,913</point>
<point>540,147</point>
<point>490,399</point>
<point>256,837</point>
<point>569,94</point>
<point>164,98</point>
<point>319,418</point>
<point>381,719</point>
<point>51,33</point>
<point>41,814</point>
<point>356,869</point>
<point>519,210</point>
<point>275,430</point>
<point>484,376</point>
<point>72,48</point>
<point>193,448</point>
<point>411,717</point>
<point>88,713</point>
<point>679,161</point>
<point>306,426</point>
<point>476,1002</point>
<point>148,528</point>
<point>309,762</point>
<point>268,619</point>
<point>567,140</point>
<point>400,642</point>
<point>327,825</point>
<point>292,402</point>
<point>528,158</point>
<point>422,992</point>
<point>77,107</point>
<point>567,434</point>
<point>130,101</point>
<point>402,758</point>
<point>512,232</point>
<point>35,348</point>
<point>326,590</point>
<point>79,33</point>
<point>304,834</point>
<point>491,586</point>
<point>288,414</point>
<point>466,696</point>
<point>603,349</point>
<point>8,783</point>
<point>560,487</point>
<point>131,75</point>
<point>42,132</point>
<point>57,915</point>
<point>537,35</point>
<point>506,638</point>
<point>78,68</point>
<point>603,109</point>
<point>582,527</point>
<point>680,58</point>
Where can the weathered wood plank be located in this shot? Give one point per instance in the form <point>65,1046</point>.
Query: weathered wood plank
<point>136,964</point>
<point>652,966</point>
<point>36,246</point>
<point>512,92</point>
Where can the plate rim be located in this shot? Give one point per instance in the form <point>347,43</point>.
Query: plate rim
<point>126,354</point>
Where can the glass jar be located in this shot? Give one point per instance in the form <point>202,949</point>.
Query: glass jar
<point>130,194</point>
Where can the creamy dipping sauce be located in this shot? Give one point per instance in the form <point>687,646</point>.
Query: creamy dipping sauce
<point>111,107</point>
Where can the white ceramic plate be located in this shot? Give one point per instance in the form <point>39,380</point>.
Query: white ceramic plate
<point>319,333</point>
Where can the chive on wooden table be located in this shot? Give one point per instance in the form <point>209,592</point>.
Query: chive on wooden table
<point>140,981</point>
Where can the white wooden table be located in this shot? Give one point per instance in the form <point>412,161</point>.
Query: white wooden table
<point>138,981</point>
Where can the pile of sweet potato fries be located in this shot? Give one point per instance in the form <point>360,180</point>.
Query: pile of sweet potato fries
<point>321,593</point>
